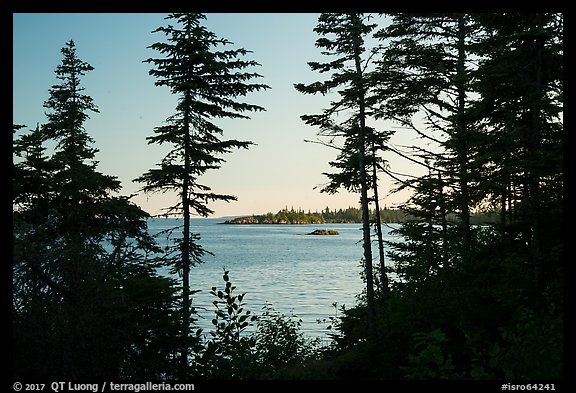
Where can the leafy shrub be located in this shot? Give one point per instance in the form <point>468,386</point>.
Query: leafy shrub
<point>280,343</point>
<point>430,360</point>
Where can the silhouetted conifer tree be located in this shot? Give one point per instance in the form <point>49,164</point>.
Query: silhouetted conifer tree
<point>425,71</point>
<point>342,37</point>
<point>208,81</point>
<point>77,249</point>
<point>520,79</point>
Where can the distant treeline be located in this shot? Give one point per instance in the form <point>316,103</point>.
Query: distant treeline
<point>351,215</point>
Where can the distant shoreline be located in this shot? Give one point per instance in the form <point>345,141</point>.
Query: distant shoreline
<point>299,217</point>
<point>346,216</point>
<point>227,222</point>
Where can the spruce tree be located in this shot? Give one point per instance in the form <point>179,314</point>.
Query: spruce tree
<point>513,142</point>
<point>520,79</point>
<point>208,80</point>
<point>425,73</point>
<point>342,38</point>
<point>77,248</point>
<point>471,298</point>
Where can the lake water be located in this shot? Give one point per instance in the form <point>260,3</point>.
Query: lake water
<point>279,265</point>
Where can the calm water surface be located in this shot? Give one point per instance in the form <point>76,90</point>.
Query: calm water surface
<point>279,265</point>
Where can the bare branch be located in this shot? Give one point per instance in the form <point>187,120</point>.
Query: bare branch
<point>327,144</point>
<point>410,124</point>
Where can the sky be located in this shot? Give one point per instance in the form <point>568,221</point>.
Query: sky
<point>280,170</point>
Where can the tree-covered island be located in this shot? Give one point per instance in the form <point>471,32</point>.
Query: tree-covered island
<point>341,216</point>
<point>350,215</point>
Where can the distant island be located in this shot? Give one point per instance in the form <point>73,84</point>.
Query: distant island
<point>350,215</point>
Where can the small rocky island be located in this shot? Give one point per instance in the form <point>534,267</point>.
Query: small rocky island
<point>324,232</point>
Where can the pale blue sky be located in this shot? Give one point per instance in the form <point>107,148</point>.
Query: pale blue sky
<point>281,170</point>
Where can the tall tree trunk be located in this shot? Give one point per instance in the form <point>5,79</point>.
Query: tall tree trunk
<point>534,141</point>
<point>186,243</point>
<point>443,220</point>
<point>461,130</point>
<point>384,278</point>
<point>505,212</point>
<point>364,182</point>
<point>503,199</point>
